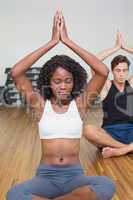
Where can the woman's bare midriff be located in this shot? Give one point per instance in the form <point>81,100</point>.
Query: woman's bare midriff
<point>60,151</point>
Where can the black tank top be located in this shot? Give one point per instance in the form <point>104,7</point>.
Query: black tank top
<point>118,106</point>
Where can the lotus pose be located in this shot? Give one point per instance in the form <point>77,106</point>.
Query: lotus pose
<point>116,134</point>
<point>60,105</point>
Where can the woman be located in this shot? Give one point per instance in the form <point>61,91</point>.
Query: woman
<point>61,106</point>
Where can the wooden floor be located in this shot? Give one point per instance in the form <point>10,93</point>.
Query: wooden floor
<point>20,153</point>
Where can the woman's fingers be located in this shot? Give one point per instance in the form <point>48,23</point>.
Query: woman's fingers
<point>56,30</point>
<point>55,19</point>
<point>63,29</point>
<point>63,22</point>
<point>59,28</point>
<point>58,20</point>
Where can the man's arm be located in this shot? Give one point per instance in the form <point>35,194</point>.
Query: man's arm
<point>129,50</point>
<point>103,55</point>
<point>108,52</point>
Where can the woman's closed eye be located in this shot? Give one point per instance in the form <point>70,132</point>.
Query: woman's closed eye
<point>69,80</point>
<point>58,81</point>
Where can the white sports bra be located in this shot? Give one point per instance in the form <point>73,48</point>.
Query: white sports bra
<point>65,125</point>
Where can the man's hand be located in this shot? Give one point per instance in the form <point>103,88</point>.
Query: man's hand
<point>122,42</point>
<point>118,43</point>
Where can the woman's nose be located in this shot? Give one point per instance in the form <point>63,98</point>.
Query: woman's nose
<point>63,85</point>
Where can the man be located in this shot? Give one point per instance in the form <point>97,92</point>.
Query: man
<point>116,134</point>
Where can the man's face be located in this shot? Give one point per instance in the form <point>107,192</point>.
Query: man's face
<point>120,72</point>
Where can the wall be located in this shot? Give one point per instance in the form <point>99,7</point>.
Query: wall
<point>26,25</point>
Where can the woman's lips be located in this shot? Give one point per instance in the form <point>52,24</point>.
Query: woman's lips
<point>63,93</point>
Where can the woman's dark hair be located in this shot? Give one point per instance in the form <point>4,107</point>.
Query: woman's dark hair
<point>78,72</point>
<point>119,59</point>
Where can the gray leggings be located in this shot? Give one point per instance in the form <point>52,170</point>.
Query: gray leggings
<point>54,181</point>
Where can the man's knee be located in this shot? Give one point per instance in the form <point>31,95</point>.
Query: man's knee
<point>92,132</point>
<point>89,130</point>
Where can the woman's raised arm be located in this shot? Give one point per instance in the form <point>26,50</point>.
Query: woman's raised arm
<point>22,83</point>
<point>101,71</point>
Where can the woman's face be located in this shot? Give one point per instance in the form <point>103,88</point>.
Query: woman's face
<point>61,83</point>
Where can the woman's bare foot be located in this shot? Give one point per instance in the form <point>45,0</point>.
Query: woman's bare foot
<point>108,152</point>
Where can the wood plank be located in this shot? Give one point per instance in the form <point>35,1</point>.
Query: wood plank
<point>20,153</point>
